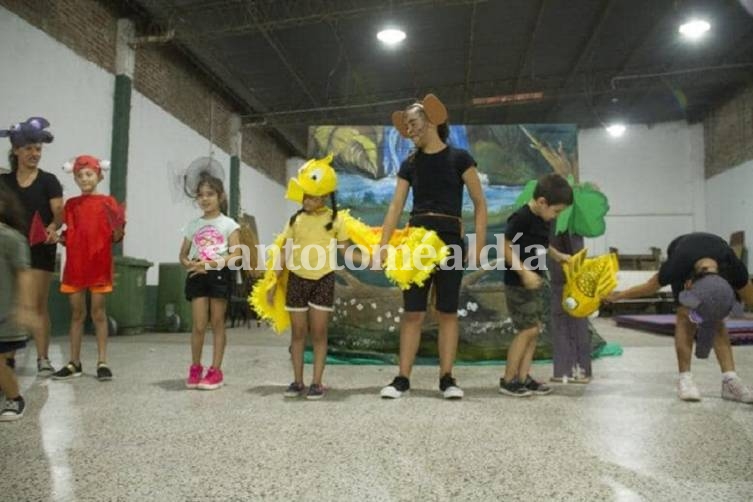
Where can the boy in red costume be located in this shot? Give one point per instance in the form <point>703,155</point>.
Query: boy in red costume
<point>93,221</point>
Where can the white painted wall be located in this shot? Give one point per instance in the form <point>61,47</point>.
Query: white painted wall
<point>42,77</point>
<point>654,179</point>
<point>729,203</point>
<point>76,96</point>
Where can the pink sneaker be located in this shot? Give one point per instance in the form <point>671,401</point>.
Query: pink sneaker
<point>194,376</point>
<point>212,380</point>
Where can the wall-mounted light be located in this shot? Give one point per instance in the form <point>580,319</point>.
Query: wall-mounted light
<point>391,36</point>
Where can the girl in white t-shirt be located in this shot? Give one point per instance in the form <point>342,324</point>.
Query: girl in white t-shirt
<point>210,244</point>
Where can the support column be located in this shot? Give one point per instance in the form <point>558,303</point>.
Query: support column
<point>236,140</point>
<point>125,58</point>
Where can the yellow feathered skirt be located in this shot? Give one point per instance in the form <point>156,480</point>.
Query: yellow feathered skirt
<point>412,255</point>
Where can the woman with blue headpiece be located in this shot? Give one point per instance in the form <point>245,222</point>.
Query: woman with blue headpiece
<point>41,195</point>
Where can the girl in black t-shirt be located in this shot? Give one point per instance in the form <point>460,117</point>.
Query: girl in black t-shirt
<point>41,195</point>
<point>436,174</point>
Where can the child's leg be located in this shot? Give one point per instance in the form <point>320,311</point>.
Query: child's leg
<point>448,341</point>
<point>318,321</point>
<point>217,308</point>
<point>299,327</point>
<point>517,352</point>
<point>40,280</point>
<point>525,364</point>
<point>8,382</point>
<point>723,350</point>
<point>684,336</point>
<point>200,317</point>
<point>410,340</point>
<point>99,318</point>
<point>78,316</point>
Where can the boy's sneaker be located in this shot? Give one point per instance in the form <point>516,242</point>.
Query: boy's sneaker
<point>513,388</point>
<point>399,386</point>
<point>316,391</point>
<point>195,372</point>
<point>449,388</point>
<point>687,390</point>
<point>70,370</point>
<point>734,389</point>
<point>538,388</point>
<point>103,372</point>
<point>295,389</point>
<point>13,409</point>
<point>44,367</point>
<point>212,380</point>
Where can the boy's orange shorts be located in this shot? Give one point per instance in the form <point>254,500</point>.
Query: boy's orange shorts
<point>67,288</point>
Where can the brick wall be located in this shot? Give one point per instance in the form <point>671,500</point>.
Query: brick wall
<point>728,133</point>
<point>163,74</point>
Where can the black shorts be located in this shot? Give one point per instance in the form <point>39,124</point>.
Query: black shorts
<point>303,294</point>
<point>6,347</point>
<point>43,257</point>
<point>446,284</point>
<point>213,284</point>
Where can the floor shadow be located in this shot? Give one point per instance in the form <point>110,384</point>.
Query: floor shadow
<point>171,385</point>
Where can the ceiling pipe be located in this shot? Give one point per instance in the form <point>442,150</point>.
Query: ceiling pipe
<point>640,76</point>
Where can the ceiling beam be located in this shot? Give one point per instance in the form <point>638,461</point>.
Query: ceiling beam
<point>256,15</point>
<point>304,13</point>
<point>584,52</point>
<point>526,55</point>
<point>469,61</point>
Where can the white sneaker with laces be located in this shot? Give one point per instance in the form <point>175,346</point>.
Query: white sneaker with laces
<point>687,390</point>
<point>733,389</point>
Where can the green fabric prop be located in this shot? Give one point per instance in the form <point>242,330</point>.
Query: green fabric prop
<point>585,217</point>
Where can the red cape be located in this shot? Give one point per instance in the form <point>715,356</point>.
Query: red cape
<point>88,240</point>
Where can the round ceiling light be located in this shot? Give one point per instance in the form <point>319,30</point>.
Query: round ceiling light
<point>391,36</point>
<point>694,29</point>
<point>616,130</point>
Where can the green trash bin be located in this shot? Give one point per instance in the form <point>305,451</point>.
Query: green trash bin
<point>126,304</point>
<point>173,310</point>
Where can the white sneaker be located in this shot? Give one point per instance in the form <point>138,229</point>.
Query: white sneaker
<point>687,390</point>
<point>734,389</point>
<point>449,388</point>
<point>395,390</point>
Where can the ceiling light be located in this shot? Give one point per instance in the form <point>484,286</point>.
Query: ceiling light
<point>616,130</point>
<point>694,29</point>
<point>391,36</point>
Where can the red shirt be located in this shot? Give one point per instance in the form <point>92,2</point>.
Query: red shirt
<point>88,240</point>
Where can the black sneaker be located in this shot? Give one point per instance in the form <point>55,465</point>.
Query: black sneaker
<point>70,370</point>
<point>513,388</point>
<point>103,372</point>
<point>316,391</point>
<point>295,389</point>
<point>13,409</point>
<point>449,387</point>
<point>538,388</point>
<point>399,386</point>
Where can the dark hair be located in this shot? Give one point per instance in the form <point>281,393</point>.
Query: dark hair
<point>328,226</point>
<point>11,211</point>
<point>12,160</point>
<point>555,189</point>
<point>216,185</point>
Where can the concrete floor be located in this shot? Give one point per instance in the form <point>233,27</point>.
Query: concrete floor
<point>143,436</point>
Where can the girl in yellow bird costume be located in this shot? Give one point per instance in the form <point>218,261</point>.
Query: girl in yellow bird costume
<point>293,293</point>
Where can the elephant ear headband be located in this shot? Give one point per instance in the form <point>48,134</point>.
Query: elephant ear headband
<point>434,109</point>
